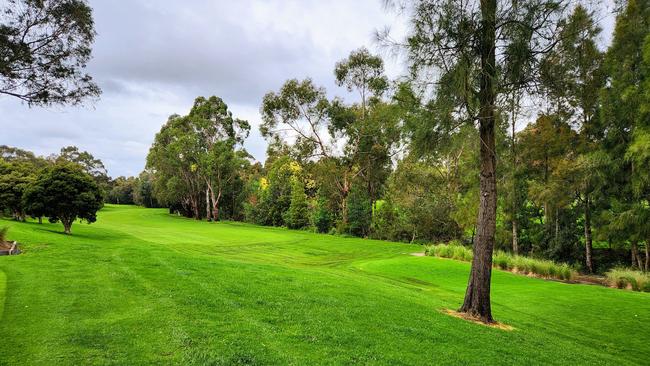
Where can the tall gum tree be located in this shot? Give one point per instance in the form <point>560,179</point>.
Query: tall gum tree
<point>460,50</point>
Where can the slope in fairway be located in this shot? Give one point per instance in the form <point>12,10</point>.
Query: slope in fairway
<point>143,287</point>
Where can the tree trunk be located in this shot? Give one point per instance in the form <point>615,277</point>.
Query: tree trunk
<point>515,238</point>
<point>588,244</point>
<point>557,224</point>
<point>477,296</point>
<point>195,207</point>
<point>513,151</point>
<point>344,202</point>
<point>208,214</point>
<point>215,205</point>
<point>636,258</point>
<point>647,255</point>
<point>40,220</point>
<point>67,226</point>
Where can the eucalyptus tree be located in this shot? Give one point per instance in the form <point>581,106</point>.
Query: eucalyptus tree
<point>194,158</point>
<point>370,130</point>
<point>363,72</point>
<point>218,135</point>
<point>298,112</point>
<point>44,48</point>
<point>463,49</point>
<point>173,160</point>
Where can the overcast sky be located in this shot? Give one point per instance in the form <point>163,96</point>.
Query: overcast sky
<point>153,57</point>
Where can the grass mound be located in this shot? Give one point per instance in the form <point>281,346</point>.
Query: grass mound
<point>506,261</point>
<point>629,279</point>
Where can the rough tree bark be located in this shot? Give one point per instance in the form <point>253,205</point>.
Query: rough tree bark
<point>208,214</point>
<point>647,255</point>
<point>636,259</point>
<point>215,204</point>
<point>477,296</point>
<point>67,225</point>
<point>588,243</point>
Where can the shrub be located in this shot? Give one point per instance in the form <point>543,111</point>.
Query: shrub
<point>3,234</point>
<point>624,278</point>
<point>505,261</point>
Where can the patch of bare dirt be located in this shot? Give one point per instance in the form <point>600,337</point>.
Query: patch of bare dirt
<point>418,254</point>
<point>478,321</point>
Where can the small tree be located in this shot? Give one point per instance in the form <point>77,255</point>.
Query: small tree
<point>322,215</point>
<point>297,217</point>
<point>359,212</point>
<point>65,193</point>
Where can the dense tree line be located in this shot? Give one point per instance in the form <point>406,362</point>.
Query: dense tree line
<point>399,162</point>
<point>417,159</point>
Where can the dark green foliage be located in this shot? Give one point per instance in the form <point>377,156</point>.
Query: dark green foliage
<point>275,192</point>
<point>297,216</point>
<point>65,193</point>
<point>44,48</point>
<point>122,191</point>
<point>15,177</point>
<point>359,212</point>
<point>197,161</point>
<point>322,216</point>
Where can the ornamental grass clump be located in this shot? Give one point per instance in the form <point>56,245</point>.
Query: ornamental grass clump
<point>452,251</point>
<point>629,278</point>
<point>506,262</point>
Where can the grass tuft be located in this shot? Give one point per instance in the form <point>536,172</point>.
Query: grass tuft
<point>506,262</point>
<point>629,278</point>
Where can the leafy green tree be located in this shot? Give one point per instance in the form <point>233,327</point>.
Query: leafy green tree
<point>468,46</point>
<point>15,177</point>
<point>297,216</point>
<point>298,111</point>
<point>359,212</point>
<point>143,192</point>
<point>44,48</point>
<point>217,136</point>
<point>362,72</point>
<point>66,194</point>
<point>122,190</point>
<point>276,191</point>
<point>173,158</point>
<point>623,124</point>
<point>322,216</point>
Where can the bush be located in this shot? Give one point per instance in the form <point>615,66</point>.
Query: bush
<point>359,212</point>
<point>322,217</point>
<point>505,261</point>
<point>624,278</point>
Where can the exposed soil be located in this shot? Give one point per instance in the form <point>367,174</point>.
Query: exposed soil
<point>475,320</point>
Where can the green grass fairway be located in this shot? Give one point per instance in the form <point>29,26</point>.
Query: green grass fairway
<point>143,287</point>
